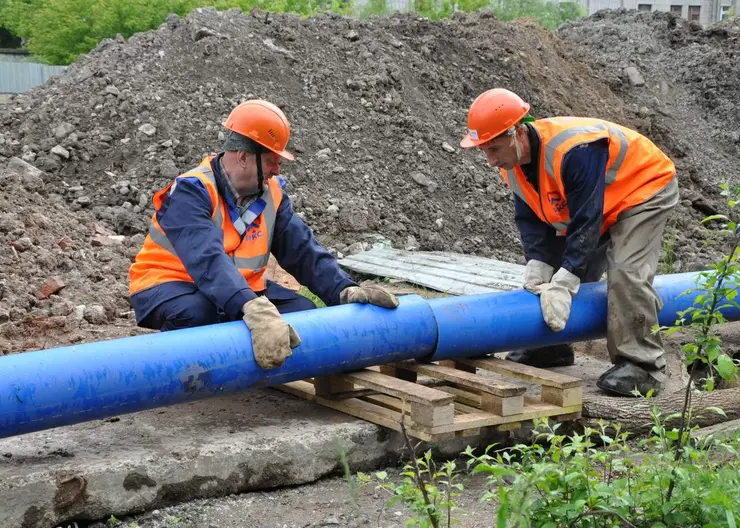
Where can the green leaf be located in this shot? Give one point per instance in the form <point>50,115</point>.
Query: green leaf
<point>717,410</point>
<point>381,475</point>
<point>726,367</point>
<point>714,217</point>
<point>730,519</point>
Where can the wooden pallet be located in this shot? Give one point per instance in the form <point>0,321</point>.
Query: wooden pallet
<point>455,400</point>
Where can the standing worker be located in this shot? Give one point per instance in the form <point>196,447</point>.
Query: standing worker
<point>211,235</point>
<point>589,196</point>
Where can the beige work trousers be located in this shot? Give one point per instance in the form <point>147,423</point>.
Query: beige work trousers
<point>631,259</point>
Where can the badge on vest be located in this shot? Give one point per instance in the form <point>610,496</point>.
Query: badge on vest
<point>556,201</point>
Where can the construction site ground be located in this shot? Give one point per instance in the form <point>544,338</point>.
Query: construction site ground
<point>377,109</point>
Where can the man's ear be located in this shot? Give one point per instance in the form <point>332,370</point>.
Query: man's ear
<point>244,158</point>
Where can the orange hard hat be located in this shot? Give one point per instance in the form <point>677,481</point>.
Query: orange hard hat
<point>492,113</point>
<point>262,122</point>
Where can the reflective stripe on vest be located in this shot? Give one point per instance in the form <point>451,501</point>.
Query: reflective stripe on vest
<point>566,135</point>
<point>159,238</point>
<point>635,171</point>
<point>269,214</point>
<point>248,263</point>
<point>516,189</point>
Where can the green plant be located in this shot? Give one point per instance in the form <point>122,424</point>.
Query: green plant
<point>312,296</point>
<point>173,521</point>
<point>597,480</point>
<point>717,290</point>
<point>668,254</point>
<point>426,490</point>
<point>351,481</point>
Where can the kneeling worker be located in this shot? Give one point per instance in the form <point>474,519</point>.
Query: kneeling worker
<point>211,235</point>
<point>589,196</point>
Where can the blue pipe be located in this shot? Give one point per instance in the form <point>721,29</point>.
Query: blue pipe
<point>485,324</point>
<point>51,388</point>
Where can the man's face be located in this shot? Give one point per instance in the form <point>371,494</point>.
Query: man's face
<point>501,152</point>
<point>245,180</point>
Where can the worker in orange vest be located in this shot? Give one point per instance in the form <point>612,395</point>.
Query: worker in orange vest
<point>212,232</point>
<point>589,196</point>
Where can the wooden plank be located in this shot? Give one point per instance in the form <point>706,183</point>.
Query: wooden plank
<point>525,372</point>
<point>484,419</point>
<point>332,384</point>
<point>562,397</point>
<point>512,426</point>
<point>411,392</point>
<point>391,419</point>
<point>429,417</point>
<point>465,379</point>
<point>502,406</point>
<point>399,373</point>
<point>302,389</point>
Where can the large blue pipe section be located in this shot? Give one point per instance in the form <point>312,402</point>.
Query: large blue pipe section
<point>51,388</point>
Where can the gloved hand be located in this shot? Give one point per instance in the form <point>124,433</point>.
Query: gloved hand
<point>371,293</point>
<point>272,337</point>
<point>556,297</point>
<point>536,272</point>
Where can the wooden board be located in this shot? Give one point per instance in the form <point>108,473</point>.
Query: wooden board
<point>461,404</point>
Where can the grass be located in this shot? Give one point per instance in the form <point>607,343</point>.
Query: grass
<point>312,296</point>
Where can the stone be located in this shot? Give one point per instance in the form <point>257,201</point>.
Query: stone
<point>353,219</point>
<point>60,151</point>
<point>423,180</point>
<point>63,130</point>
<point>50,287</point>
<point>449,148</point>
<point>29,175</point>
<point>323,154</point>
<point>22,244</point>
<point>168,169</point>
<point>148,129</point>
<point>634,76</point>
<point>357,247</point>
<point>95,314</point>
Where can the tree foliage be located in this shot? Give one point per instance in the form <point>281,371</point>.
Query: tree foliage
<point>58,31</point>
<point>548,14</point>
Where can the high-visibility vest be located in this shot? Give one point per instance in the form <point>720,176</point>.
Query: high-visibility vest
<point>635,171</point>
<point>247,239</point>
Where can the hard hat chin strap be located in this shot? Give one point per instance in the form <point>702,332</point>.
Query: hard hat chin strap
<point>260,176</point>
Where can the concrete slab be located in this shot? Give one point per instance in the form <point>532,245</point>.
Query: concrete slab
<point>212,448</point>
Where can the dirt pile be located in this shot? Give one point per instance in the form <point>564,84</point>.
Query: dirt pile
<point>61,271</point>
<point>685,95</point>
<point>377,109</point>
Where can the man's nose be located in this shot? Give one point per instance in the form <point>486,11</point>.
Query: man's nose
<point>492,161</point>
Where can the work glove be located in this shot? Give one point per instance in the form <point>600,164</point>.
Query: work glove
<point>536,272</point>
<point>272,337</point>
<point>371,293</point>
<point>556,297</point>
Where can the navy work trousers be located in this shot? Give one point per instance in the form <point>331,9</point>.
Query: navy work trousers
<point>195,309</point>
